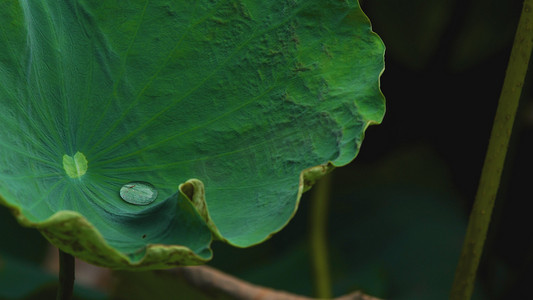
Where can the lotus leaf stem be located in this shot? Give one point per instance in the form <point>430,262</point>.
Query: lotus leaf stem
<point>66,276</point>
<point>480,215</point>
<point>319,243</point>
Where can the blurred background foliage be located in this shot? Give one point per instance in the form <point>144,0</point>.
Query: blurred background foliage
<point>399,211</point>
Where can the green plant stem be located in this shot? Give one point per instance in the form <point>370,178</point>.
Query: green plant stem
<point>319,243</point>
<point>478,224</point>
<point>66,276</point>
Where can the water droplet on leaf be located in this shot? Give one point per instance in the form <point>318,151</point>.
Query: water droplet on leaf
<point>138,193</point>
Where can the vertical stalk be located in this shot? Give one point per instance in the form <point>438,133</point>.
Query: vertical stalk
<point>319,243</point>
<point>478,224</point>
<point>66,276</point>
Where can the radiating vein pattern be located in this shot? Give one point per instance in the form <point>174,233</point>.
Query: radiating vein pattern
<point>240,95</point>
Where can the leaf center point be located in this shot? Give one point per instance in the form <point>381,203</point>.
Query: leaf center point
<point>76,166</point>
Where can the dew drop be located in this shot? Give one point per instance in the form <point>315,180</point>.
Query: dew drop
<point>138,193</point>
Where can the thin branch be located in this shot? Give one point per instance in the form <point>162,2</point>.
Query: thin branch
<point>205,283</point>
<point>465,275</point>
<point>66,276</point>
<point>318,237</point>
<point>202,282</point>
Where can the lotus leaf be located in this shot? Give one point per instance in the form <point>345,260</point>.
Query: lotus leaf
<point>228,109</point>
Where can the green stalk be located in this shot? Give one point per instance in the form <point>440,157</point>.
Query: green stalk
<point>66,276</point>
<point>319,243</point>
<point>478,224</point>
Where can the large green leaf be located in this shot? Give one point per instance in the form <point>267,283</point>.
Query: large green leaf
<point>229,108</point>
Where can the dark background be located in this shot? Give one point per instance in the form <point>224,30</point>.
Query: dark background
<point>398,213</point>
